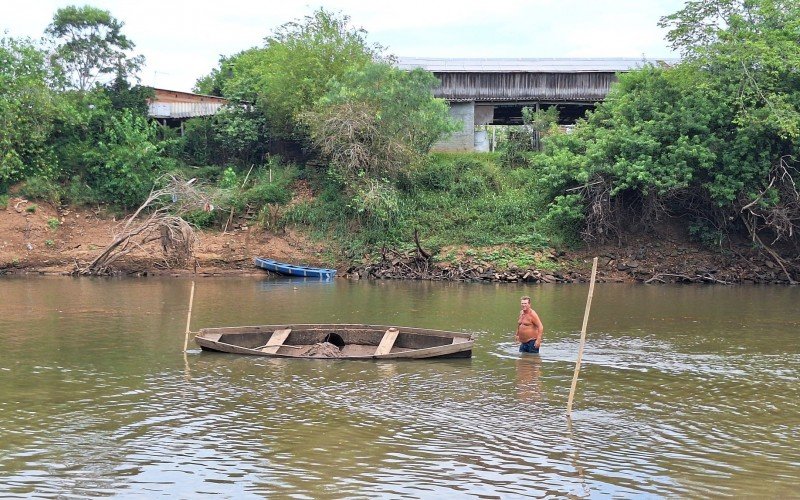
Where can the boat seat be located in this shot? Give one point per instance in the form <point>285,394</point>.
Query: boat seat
<point>276,340</point>
<point>387,342</point>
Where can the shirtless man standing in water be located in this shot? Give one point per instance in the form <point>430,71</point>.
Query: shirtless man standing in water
<point>529,328</point>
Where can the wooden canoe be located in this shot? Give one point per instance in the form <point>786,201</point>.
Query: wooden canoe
<point>351,341</point>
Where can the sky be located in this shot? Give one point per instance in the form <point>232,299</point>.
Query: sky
<point>183,40</point>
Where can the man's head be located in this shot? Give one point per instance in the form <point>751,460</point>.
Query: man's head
<point>525,302</point>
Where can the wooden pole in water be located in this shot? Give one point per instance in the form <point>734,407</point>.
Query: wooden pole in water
<point>188,320</point>
<point>583,339</point>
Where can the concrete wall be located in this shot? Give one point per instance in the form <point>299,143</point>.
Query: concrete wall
<point>484,115</point>
<point>464,139</point>
<point>482,142</point>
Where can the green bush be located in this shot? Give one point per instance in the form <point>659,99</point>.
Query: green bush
<point>41,188</point>
<point>77,192</point>
<point>278,190</point>
<point>126,162</point>
<point>201,218</point>
<point>705,233</point>
<point>435,174</point>
<point>228,179</point>
<point>466,174</point>
<point>211,174</point>
<point>199,144</point>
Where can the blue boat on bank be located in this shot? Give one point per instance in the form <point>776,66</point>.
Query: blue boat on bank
<point>292,270</point>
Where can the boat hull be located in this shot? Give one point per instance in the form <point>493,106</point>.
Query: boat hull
<point>293,270</point>
<point>353,341</point>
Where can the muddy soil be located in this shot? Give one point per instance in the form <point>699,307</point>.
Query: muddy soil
<point>42,239</point>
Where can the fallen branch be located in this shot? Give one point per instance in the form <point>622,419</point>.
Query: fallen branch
<point>425,255</point>
<point>697,278</point>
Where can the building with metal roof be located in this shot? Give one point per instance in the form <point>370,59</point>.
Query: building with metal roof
<point>173,107</point>
<point>529,65</point>
<point>494,91</point>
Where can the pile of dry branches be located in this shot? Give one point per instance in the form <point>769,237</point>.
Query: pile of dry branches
<point>158,219</point>
<point>781,219</point>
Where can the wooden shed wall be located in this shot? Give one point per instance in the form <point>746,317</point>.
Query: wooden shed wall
<point>589,86</point>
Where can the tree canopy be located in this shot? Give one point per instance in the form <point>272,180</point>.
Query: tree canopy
<point>28,109</point>
<point>286,76</point>
<point>90,44</point>
<point>715,138</point>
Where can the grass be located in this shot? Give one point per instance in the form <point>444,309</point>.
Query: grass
<point>452,200</point>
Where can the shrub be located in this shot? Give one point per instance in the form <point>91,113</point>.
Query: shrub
<point>200,218</point>
<point>228,179</point>
<point>41,188</point>
<point>125,164</point>
<point>265,191</point>
<point>77,192</point>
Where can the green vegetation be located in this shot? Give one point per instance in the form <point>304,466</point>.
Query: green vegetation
<point>319,48</point>
<point>713,141</point>
<point>376,122</point>
<point>53,223</point>
<point>451,198</point>
<point>90,43</point>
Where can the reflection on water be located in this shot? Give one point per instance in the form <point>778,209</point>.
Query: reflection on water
<point>684,392</point>
<point>529,372</point>
<point>271,284</point>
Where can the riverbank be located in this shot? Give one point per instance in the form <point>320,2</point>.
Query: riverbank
<point>41,239</point>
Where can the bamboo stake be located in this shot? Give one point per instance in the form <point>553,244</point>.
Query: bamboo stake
<point>188,320</point>
<point>583,340</point>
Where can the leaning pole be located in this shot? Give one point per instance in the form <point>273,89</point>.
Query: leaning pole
<point>188,320</point>
<point>583,340</point>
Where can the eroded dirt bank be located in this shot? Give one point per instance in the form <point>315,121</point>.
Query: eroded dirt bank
<point>38,238</point>
<point>47,240</point>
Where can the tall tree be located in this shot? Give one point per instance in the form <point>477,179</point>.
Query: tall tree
<point>377,121</point>
<point>293,69</point>
<point>90,45</point>
<point>28,108</point>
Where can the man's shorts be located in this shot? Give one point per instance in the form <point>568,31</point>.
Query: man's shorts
<point>529,346</point>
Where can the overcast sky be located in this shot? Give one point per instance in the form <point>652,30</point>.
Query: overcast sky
<point>182,40</point>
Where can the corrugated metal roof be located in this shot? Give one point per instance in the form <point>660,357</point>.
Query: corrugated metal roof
<point>183,109</point>
<point>524,86</point>
<point>528,65</point>
<point>193,94</point>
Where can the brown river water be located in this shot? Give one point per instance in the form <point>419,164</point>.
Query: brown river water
<point>688,391</point>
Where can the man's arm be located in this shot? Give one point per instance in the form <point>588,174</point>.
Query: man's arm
<point>537,324</point>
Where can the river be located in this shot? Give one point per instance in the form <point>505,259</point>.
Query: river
<point>685,391</point>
